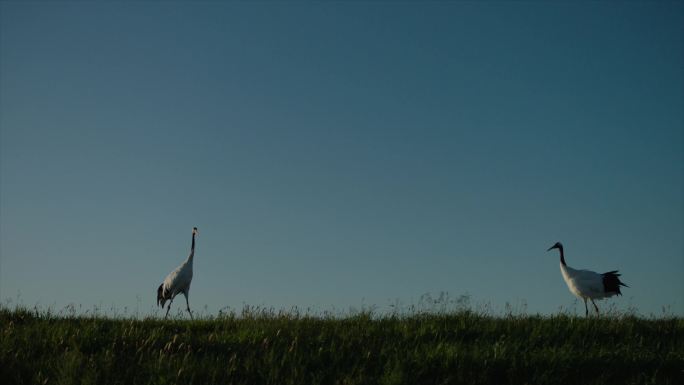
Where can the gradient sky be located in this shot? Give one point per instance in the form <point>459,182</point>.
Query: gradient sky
<point>338,155</point>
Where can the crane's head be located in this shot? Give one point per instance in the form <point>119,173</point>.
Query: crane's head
<point>194,231</point>
<point>558,245</point>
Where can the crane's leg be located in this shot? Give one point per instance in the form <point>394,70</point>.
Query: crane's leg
<point>586,309</point>
<point>168,308</point>
<point>188,304</point>
<point>595,307</point>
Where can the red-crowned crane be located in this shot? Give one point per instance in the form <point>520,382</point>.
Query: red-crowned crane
<point>178,281</point>
<point>588,284</point>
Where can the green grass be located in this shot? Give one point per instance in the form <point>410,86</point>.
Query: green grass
<point>265,347</point>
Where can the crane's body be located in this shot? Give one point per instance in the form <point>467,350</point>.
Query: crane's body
<point>589,285</point>
<point>178,281</point>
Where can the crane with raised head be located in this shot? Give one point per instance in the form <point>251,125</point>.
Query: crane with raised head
<point>178,281</point>
<point>587,284</point>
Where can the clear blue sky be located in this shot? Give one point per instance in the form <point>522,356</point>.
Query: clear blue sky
<point>336,155</point>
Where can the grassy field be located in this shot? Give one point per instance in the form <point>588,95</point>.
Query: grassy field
<point>266,347</point>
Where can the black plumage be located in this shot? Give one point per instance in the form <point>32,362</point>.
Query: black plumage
<point>612,283</point>
<point>160,296</point>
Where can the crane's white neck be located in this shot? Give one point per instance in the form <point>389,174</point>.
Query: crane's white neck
<point>191,257</point>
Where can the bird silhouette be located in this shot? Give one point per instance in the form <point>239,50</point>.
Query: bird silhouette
<point>178,281</point>
<point>587,284</point>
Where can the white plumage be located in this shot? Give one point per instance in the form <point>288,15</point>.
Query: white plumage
<point>587,284</point>
<point>178,281</point>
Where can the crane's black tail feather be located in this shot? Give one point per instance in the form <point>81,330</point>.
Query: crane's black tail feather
<point>612,283</point>
<point>160,296</point>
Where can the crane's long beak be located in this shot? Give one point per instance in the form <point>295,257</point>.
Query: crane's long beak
<point>551,248</point>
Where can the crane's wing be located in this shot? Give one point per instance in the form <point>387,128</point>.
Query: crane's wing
<point>590,283</point>
<point>168,288</point>
<point>178,280</point>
